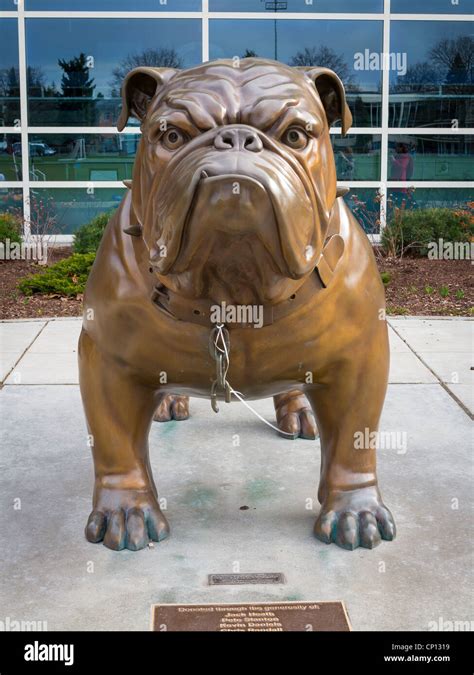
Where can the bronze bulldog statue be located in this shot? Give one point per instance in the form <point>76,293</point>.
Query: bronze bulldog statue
<point>234,206</point>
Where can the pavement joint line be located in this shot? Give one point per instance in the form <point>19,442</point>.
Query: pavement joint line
<point>443,384</point>
<point>22,355</point>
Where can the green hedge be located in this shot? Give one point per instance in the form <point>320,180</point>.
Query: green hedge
<point>67,277</point>
<point>411,231</point>
<point>88,236</point>
<point>10,228</point>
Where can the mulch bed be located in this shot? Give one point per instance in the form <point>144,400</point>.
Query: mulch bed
<point>414,288</point>
<point>15,305</point>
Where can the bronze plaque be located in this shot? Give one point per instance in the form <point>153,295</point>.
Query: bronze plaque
<point>252,578</point>
<point>252,617</point>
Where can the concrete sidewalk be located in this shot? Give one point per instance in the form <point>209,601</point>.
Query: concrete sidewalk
<point>50,573</point>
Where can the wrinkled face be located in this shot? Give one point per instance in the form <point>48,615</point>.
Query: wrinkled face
<point>235,179</point>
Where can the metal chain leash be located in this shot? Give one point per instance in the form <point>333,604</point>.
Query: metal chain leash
<point>219,347</point>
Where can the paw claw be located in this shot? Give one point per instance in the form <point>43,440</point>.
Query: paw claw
<point>115,535</point>
<point>95,528</point>
<point>325,526</point>
<point>137,535</point>
<point>386,524</point>
<point>368,530</point>
<point>158,528</point>
<point>348,531</point>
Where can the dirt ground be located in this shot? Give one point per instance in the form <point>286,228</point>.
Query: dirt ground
<point>415,286</point>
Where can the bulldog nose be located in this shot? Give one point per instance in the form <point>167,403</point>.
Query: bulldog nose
<point>238,139</point>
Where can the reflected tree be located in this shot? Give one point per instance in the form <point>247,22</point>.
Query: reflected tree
<point>158,58</point>
<point>327,58</point>
<point>76,83</point>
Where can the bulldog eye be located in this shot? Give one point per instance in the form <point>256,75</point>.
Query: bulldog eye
<point>173,138</point>
<point>295,138</point>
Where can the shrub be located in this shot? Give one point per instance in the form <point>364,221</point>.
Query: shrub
<point>10,228</point>
<point>88,236</point>
<point>412,230</point>
<point>67,277</point>
<point>386,277</point>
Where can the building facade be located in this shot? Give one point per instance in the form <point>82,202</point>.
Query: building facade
<point>408,68</point>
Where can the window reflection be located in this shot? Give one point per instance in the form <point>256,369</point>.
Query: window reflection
<point>333,44</point>
<point>433,158</point>
<point>77,65</point>
<point>82,157</point>
<point>10,164</point>
<point>357,157</point>
<point>72,207</point>
<point>11,201</point>
<point>9,83</point>
<point>428,198</point>
<point>431,7</point>
<point>114,5</point>
<point>437,88</point>
<point>365,205</point>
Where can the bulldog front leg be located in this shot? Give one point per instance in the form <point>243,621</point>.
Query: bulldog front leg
<point>119,412</point>
<point>348,409</point>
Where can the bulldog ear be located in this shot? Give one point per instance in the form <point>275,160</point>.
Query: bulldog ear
<point>138,88</point>
<point>332,95</point>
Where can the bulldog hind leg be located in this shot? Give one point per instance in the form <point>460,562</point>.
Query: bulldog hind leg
<point>119,411</point>
<point>347,411</point>
<point>172,407</point>
<point>294,415</point>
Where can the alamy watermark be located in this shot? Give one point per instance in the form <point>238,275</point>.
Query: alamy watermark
<point>394,61</point>
<point>14,625</point>
<point>36,250</point>
<point>447,625</point>
<point>384,440</point>
<point>451,250</point>
<point>245,314</point>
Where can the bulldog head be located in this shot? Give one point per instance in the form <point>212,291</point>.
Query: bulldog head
<point>234,179</point>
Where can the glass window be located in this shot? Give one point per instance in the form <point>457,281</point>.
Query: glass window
<point>433,84</point>
<point>77,66</point>
<point>365,205</point>
<point>9,83</point>
<point>431,7</point>
<point>8,5</point>
<point>72,207</point>
<point>435,158</point>
<point>82,156</point>
<point>114,5</point>
<point>296,6</point>
<point>339,45</point>
<point>429,198</point>
<point>357,157</point>
<point>11,200</point>
<point>10,157</point>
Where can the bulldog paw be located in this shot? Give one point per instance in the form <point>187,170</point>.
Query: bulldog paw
<point>355,518</point>
<point>172,407</point>
<point>294,416</point>
<point>126,519</point>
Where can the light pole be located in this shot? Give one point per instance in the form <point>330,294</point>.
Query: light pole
<point>273,6</point>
